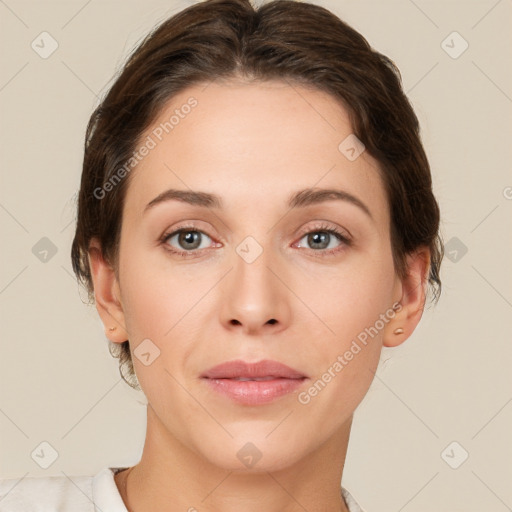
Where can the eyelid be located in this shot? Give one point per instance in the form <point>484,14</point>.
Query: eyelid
<point>191,225</point>
<point>323,225</point>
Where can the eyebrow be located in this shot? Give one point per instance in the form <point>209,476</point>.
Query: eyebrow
<point>299,199</point>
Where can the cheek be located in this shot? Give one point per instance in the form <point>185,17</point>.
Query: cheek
<point>353,297</point>
<point>356,307</point>
<point>344,365</point>
<point>162,303</point>
<point>156,296</point>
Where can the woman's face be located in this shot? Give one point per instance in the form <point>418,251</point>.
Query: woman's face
<point>257,276</point>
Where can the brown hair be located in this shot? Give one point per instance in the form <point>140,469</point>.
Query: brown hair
<point>284,40</point>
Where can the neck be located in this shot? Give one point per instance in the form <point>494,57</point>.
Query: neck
<point>170,478</point>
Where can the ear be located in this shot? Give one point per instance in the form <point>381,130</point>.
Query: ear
<point>107,294</point>
<point>410,296</point>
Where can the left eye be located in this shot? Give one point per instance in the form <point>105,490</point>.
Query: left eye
<point>321,239</point>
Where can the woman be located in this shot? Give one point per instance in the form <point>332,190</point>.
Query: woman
<point>255,222</point>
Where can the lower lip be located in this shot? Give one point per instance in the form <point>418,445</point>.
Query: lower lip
<point>252,392</point>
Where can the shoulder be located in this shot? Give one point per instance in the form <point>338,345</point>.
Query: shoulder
<point>352,505</point>
<point>60,493</point>
<point>38,494</point>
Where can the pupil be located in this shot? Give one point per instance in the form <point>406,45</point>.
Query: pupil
<point>189,236</point>
<point>317,238</point>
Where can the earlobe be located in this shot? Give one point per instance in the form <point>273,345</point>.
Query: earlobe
<point>412,302</point>
<point>107,294</point>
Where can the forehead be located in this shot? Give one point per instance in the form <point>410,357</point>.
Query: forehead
<point>252,142</point>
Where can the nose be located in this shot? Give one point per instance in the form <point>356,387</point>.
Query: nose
<point>254,298</point>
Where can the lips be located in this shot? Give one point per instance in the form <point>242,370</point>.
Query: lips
<point>253,383</point>
<point>252,371</point>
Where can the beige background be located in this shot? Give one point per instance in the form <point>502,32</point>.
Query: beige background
<point>451,381</point>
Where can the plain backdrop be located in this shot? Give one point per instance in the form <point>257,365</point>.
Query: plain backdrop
<point>445,395</point>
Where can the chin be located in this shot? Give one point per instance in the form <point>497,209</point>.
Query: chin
<point>257,453</point>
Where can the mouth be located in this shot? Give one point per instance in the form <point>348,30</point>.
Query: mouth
<point>253,383</point>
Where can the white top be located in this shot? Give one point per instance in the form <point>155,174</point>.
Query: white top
<point>80,494</point>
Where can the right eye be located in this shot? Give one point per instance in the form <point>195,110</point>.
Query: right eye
<point>189,240</point>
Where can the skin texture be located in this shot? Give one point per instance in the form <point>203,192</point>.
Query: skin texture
<point>253,144</point>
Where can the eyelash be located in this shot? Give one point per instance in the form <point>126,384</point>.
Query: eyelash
<point>194,253</point>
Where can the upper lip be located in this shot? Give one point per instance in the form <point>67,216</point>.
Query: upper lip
<point>239,368</point>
